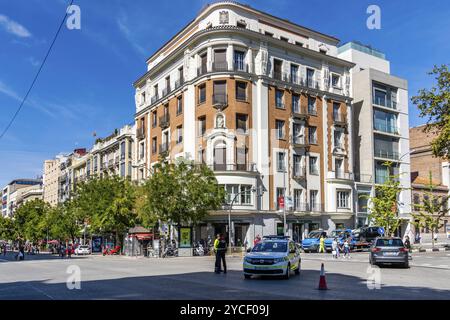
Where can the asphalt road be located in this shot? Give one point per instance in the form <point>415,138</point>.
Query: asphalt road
<point>114,277</point>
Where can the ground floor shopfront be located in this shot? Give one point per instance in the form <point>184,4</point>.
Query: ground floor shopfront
<point>245,226</point>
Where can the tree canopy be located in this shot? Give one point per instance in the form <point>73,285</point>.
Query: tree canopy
<point>434,104</point>
<point>182,192</point>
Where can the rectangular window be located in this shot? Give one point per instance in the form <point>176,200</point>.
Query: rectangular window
<point>338,139</point>
<point>167,85</point>
<point>386,147</point>
<point>338,164</point>
<point>295,103</point>
<point>385,122</point>
<point>342,199</point>
<point>298,168</point>
<point>294,73</point>
<point>239,61</point>
<point>267,33</point>
<point>279,125</point>
<point>312,105</point>
<point>220,92</point>
<point>141,150</point>
<point>179,134</point>
<point>246,195</point>
<point>335,81</point>
<point>337,116</point>
<point>312,135</point>
<point>310,77</point>
<point>231,191</point>
<point>279,95</point>
<point>220,60</point>
<point>298,132</point>
<point>277,69</point>
<point>154,145</point>
<point>241,90</point>
<point>298,200</point>
<point>241,158</point>
<point>179,105</point>
<point>154,119</point>
<point>241,123</point>
<point>281,166</point>
<point>314,206</point>
<point>313,166</point>
<point>203,63</point>
<point>284,39</point>
<point>180,75</point>
<point>299,43</point>
<point>202,93</point>
<point>201,125</point>
<point>280,194</point>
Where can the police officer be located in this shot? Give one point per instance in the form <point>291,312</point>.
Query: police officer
<point>222,250</point>
<point>216,252</point>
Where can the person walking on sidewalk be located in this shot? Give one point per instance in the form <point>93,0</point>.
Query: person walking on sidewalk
<point>408,245</point>
<point>346,249</point>
<point>335,248</point>
<point>222,250</point>
<point>322,244</point>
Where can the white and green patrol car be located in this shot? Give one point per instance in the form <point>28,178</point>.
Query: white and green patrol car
<point>273,256</point>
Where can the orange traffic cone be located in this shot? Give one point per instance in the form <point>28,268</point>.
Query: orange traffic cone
<point>322,281</point>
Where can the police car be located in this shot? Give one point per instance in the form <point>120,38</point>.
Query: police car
<point>273,256</point>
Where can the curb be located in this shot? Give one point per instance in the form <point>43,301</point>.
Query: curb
<point>432,250</point>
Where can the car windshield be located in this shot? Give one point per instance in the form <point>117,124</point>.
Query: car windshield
<point>314,234</point>
<point>270,246</point>
<point>84,247</point>
<point>389,243</point>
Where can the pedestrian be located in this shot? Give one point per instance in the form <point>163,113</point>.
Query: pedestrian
<point>408,244</point>
<point>322,244</point>
<point>69,251</point>
<point>346,249</point>
<point>435,237</point>
<point>222,250</point>
<point>257,240</point>
<point>4,249</point>
<point>335,248</point>
<point>216,252</point>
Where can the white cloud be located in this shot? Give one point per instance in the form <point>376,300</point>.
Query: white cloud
<point>14,27</point>
<point>122,23</point>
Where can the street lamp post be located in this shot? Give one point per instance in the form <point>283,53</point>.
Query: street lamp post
<point>229,214</point>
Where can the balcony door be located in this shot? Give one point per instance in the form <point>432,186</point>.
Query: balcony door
<point>220,157</point>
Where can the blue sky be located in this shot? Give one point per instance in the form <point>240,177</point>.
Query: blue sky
<point>86,84</point>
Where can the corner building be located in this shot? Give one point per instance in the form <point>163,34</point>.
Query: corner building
<point>266,104</point>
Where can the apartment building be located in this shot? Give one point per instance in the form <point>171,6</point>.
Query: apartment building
<point>113,154</point>
<point>267,105</point>
<point>9,194</point>
<point>426,169</point>
<point>52,172</point>
<point>380,128</point>
<point>30,193</point>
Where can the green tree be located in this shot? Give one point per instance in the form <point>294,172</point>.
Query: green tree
<point>29,220</point>
<point>7,229</point>
<point>65,221</point>
<point>384,204</point>
<point>109,204</point>
<point>434,104</point>
<point>432,210</point>
<point>182,192</point>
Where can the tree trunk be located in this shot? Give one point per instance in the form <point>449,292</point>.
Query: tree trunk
<point>432,238</point>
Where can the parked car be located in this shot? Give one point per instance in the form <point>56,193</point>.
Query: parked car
<point>341,234</point>
<point>386,250</point>
<point>273,256</point>
<point>82,250</point>
<point>312,242</point>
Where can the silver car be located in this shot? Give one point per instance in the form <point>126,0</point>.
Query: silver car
<point>386,250</point>
<point>274,256</point>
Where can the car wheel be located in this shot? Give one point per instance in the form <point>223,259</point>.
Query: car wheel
<point>247,276</point>
<point>288,272</point>
<point>297,271</point>
<point>406,265</point>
